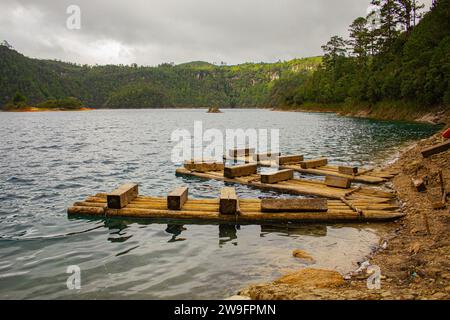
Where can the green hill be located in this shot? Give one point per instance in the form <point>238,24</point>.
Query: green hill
<point>194,84</point>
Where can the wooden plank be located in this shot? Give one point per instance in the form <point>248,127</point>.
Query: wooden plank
<point>241,152</point>
<point>278,176</point>
<point>348,170</point>
<point>266,156</point>
<point>439,148</point>
<point>120,197</point>
<point>204,166</point>
<point>311,164</point>
<point>240,170</point>
<point>228,203</point>
<point>338,182</point>
<point>290,159</point>
<point>177,198</point>
<point>294,205</point>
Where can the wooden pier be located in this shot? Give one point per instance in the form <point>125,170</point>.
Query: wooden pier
<point>228,207</point>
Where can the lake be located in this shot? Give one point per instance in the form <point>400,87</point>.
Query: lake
<point>51,159</point>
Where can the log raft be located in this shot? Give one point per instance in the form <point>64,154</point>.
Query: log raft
<point>295,186</point>
<point>320,167</point>
<point>228,208</point>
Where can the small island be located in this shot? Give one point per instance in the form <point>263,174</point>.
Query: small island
<point>19,104</point>
<point>214,110</point>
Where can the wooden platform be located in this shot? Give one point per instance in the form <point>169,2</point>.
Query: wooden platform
<point>369,176</point>
<point>250,212</point>
<point>296,186</point>
<point>366,176</point>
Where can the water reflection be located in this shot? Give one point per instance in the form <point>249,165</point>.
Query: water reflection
<point>175,230</point>
<point>228,232</point>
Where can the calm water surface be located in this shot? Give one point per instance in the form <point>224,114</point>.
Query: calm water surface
<point>50,160</point>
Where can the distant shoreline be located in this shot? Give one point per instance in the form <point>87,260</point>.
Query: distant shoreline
<point>434,116</point>
<point>34,109</point>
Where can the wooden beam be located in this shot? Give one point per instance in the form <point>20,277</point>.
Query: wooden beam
<point>294,205</point>
<point>348,170</point>
<point>177,198</point>
<point>291,159</point>
<point>338,182</point>
<point>229,202</point>
<point>241,152</point>
<point>311,164</point>
<point>123,195</point>
<point>278,176</point>
<point>204,166</point>
<point>266,156</point>
<point>439,148</point>
<point>240,170</point>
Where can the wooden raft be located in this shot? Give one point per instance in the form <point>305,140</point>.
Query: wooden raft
<point>296,186</point>
<point>320,167</point>
<point>229,208</point>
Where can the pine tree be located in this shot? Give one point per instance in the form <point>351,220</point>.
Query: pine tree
<point>360,38</point>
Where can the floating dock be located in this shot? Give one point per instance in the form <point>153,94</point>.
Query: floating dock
<point>228,207</point>
<point>318,167</point>
<point>293,186</point>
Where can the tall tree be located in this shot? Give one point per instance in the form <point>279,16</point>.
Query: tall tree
<point>388,21</point>
<point>335,48</point>
<point>360,38</point>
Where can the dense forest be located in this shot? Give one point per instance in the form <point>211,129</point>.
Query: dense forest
<point>195,84</point>
<point>397,60</point>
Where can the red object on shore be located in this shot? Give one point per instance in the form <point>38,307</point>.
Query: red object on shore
<point>446,134</point>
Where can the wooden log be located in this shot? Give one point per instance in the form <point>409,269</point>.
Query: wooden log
<point>234,153</point>
<point>228,203</point>
<point>338,182</point>
<point>266,156</point>
<point>348,170</point>
<point>290,159</point>
<point>82,210</point>
<point>419,184</point>
<point>294,205</point>
<point>439,148</point>
<point>120,197</point>
<point>204,166</point>
<point>351,206</point>
<point>311,164</point>
<point>442,184</point>
<point>177,198</point>
<point>278,176</point>
<point>240,170</point>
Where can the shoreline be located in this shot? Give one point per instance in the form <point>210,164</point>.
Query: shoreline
<point>413,263</point>
<point>34,109</point>
<point>436,116</point>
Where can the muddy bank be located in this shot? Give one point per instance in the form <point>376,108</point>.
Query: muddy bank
<point>413,257</point>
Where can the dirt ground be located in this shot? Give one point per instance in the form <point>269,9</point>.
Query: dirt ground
<point>413,258</point>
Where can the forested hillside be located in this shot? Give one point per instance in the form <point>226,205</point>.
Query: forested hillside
<point>392,63</point>
<point>195,84</point>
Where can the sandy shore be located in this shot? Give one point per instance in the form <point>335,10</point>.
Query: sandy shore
<point>414,256</point>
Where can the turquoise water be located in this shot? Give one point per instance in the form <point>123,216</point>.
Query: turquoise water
<point>50,160</point>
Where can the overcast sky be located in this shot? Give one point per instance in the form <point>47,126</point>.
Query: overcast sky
<point>149,32</point>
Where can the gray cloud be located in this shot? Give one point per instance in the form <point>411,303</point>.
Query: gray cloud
<point>156,31</point>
